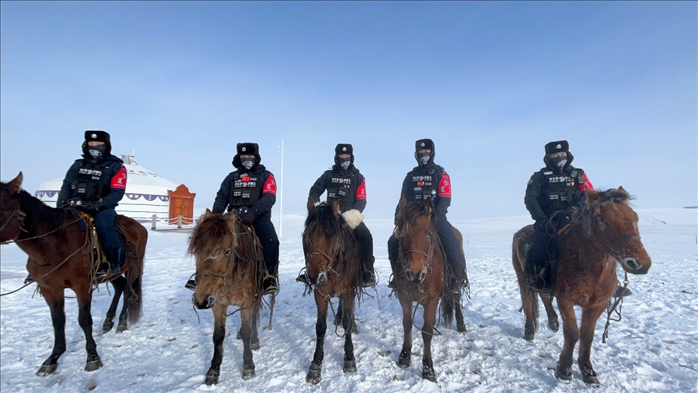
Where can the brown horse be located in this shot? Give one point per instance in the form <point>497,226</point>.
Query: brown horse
<point>59,259</point>
<point>421,260</point>
<point>604,233</point>
<point>229,271</point>
<point>332,262</point>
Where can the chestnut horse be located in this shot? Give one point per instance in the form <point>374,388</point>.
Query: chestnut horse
<point>59,258</point>
<point>229,271</point>
<point>604,233</point>
<point>421,260</point>
<point>332,264</point>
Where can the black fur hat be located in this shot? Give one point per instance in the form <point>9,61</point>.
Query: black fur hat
<point>343,148</point>
<point>247,148</point>
<point>96,136</point>
<point>556,147</point>
<point>424,144</point>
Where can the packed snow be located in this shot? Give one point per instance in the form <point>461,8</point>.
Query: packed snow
<point>653,348</point>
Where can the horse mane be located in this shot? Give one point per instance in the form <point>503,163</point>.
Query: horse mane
<point>206,240</point>
<point>408,216</point>
<point>592,210</point>
<point>39,212</point>
<point>322,222</point>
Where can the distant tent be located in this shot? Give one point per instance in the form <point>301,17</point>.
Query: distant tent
<point>146,192</point>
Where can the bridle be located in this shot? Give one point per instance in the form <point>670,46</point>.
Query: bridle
<point>427,254</point>
<point>18,214</point>
<point>317,251</point>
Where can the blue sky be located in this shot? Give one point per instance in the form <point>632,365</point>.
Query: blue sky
<point>490,82</point>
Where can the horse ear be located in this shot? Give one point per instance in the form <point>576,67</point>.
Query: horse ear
<point>15,184</point>
<point>591,195</point>
<point>403,203</point>
<point>311,204</point>
<point>622,190</point>
<point>207,213</point>
<point>335,207</point>
<point>232,218</point>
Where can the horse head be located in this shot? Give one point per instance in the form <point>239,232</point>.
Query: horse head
<point>416,236</point>
<point>11,215</point>
<point>612,224</point>
<point>321,240</point>
<point>212,243</point>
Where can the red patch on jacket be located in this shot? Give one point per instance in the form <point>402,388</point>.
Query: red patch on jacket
<point>119,180</point>
<point>269,185</point>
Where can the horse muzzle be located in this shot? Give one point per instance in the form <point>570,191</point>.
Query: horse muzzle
<point>416,278</point>
<point>206,304</point>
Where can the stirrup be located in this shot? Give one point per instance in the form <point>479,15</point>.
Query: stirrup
<point>191,285</point>
<point>28,280</point>
<point>368,279</point>
<point>270,286</point>
<point>303,278</point>
<point>622,292</point>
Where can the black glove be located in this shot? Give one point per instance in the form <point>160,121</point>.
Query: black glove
<point>94,207</point>
<point>571,211</point>
<point>563,224</point>
<point>249,217</point>
<point>72,202</point>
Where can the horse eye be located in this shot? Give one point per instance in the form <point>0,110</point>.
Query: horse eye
<point>226,253</point>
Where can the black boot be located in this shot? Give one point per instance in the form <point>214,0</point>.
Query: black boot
<point>303,277</point>
<point>538,283</point>
<point>622,292</point>
<point>269,286</point>
<point>28,280</point>
<point>368,277</point>
<point>391,283</point>
<point>191,285</point>
<point>454,286</point>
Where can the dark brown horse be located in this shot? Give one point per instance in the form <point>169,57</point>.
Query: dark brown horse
<point>605,233</point>
<point>419,277</point>
<point>59,258</point>
<point>332,263</point>
<point>229,271</point>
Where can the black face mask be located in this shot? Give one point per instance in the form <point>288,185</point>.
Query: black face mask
<point>344,163</point>
<point>97,151</point>
<point>558,163</point>
<point>423,159</point>
<point>247,163</point>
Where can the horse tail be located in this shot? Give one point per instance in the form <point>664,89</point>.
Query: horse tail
<point>529,299</point>
<point>448,308</point>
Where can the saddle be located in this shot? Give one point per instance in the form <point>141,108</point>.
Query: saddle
<point>97,257</point>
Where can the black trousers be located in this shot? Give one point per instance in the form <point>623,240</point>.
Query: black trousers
<point>542,247</point>
<point>108,237</point>
<point>270,242</point>
<point>450,243</point>
<point>365,239</point>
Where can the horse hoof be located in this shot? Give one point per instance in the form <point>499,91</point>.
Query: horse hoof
<point>429,374</point>
<point>589,377</point>
<point>529,335</point>
<point>350,366</point>
<point>563,373</point>
<point>554,325</point>
<point>238,336</point>
<point>93,363</point>
<point>354,329</point>
<point>47,369</point>
<point>314,374</point>
<point>121,327</point>
<point>404,360</point>
<point>248,372</point>
<point>212,377</point>
<point>461,328</point>
<point>108,325</point>
<point>254,345</point>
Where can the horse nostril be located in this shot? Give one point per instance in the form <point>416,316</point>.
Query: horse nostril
<point>210,301</point>
<point>321,278</point>
<point>422,275</point>
<point>409,275</point>
<point>632,263</point>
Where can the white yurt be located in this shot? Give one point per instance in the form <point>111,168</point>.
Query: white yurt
<point>146,192</point>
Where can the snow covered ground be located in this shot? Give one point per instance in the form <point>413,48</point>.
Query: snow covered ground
<point>652,349</point>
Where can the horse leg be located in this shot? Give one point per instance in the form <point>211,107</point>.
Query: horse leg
<point>348,324</point>
<point>553,323</point>
<point>460,323</point>
<point>219,315</point>
<point>85,320</point>
<point>246,316</point>
<point>56,302</point>
<point>405,355</point>
<point>119,284</point>
<point>315,369</point>
<point>254,341</point>
<point>586,337</point>
<point>340,313</point>
<point>123,317</point>
<point>427,334</point>
<point>570,330</point>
